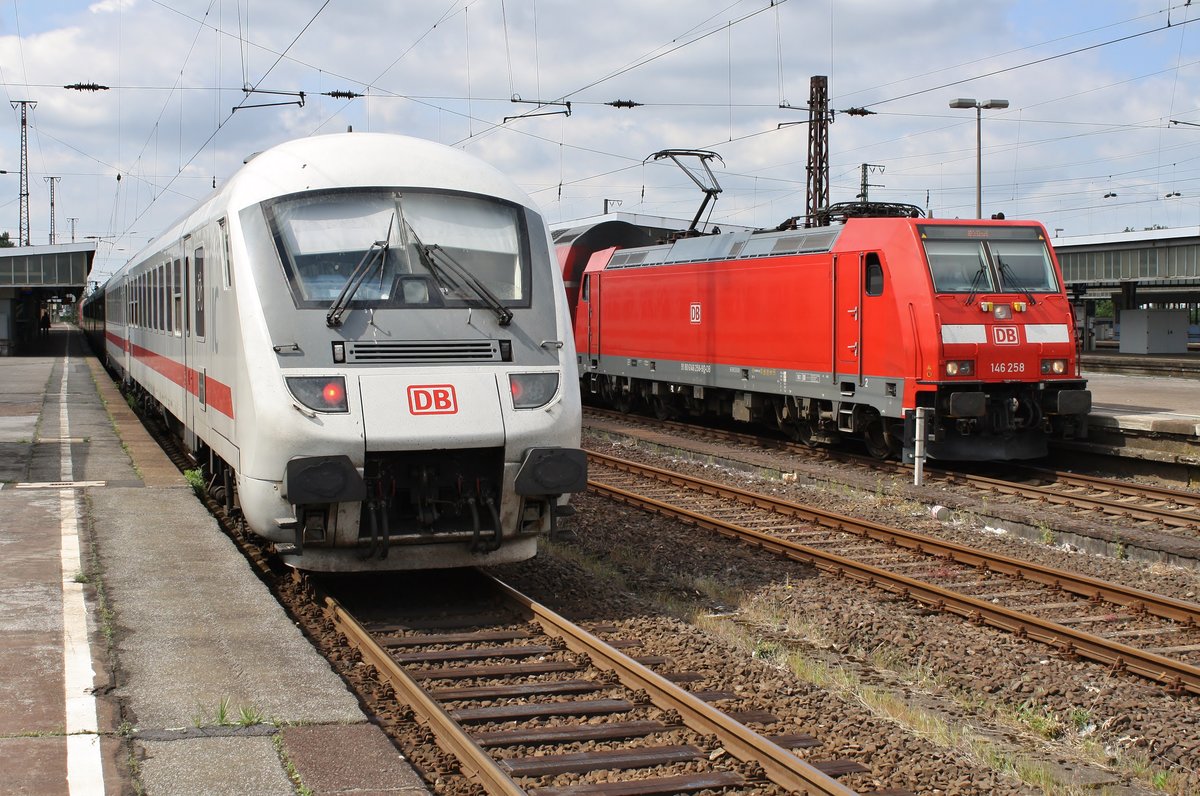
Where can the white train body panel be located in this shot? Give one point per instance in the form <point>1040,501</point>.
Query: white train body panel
<point>425,458</point>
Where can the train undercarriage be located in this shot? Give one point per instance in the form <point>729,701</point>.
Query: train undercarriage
<point>966,422</point>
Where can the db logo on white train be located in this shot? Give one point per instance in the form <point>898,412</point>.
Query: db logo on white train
<point>1005,335</point>
<point>432,399</point>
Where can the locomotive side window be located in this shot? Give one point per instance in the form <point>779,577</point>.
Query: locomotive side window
<point>874,281</point>
<point>384,248</point>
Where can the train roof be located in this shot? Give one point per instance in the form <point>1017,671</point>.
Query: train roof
<point>742,244</point>
<point>344,160</point>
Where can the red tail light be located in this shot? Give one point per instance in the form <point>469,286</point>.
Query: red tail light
<point>319,393</point>
<point>334,393</point>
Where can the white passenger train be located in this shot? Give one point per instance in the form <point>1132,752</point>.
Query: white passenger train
<point>363,339</point>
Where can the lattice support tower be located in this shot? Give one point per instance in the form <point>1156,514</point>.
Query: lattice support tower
<point>52,180</point>
<point>817,191</point>
<point>25,106</point>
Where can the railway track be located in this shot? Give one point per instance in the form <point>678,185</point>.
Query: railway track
<point>1075,614</point>
<point>585,707</point>
<point>1174,510</point>
<point>529,702</point>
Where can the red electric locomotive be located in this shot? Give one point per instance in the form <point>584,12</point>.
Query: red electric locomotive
<point>837,331</point>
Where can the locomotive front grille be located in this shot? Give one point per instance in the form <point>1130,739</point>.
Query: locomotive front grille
<point>422,351</point>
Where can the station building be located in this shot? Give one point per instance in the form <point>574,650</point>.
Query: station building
<point>37,279</point>
<point>1152,278</point>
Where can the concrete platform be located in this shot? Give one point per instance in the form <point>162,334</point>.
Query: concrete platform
<point>1109,360</point>
<point>1154,418</point>
<point>138,651</point>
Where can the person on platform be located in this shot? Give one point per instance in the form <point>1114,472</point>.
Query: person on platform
<point>45,323</point>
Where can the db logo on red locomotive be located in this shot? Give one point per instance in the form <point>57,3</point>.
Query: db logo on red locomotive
<point>432,399</point>
<point>1005,335</point>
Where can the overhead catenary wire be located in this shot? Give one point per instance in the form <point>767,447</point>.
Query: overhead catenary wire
<point>476,109</point>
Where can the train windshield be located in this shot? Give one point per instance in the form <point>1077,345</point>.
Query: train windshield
<point>1024,266</point>
<point>384,248</point>
<point>988,259</point>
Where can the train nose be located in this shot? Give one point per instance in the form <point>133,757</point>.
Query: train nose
<point>416,411</point>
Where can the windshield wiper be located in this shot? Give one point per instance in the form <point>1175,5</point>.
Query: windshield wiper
<point>975,283</point>
<point>1006,270</point>
<point>376,253</point>
<point>451,273</point>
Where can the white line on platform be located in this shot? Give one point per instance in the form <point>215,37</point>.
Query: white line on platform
<point>85,769</point>
<point>58,484</point>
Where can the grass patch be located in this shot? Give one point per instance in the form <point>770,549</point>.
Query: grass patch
<point>289,766</point>
<point>1040,720</point>
<point>195,479</point>
<point>226,715</point>
<point>248,716</point>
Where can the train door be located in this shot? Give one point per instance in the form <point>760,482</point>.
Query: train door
<point>591,296</point>
<point>173,325</point>
<point>191,356</point>
<point>847,321</point>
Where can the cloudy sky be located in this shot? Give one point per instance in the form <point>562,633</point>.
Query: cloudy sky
<point>1087,144</point>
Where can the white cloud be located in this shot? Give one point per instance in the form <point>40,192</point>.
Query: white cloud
<point>111,6</point>
<point>1076,125</point>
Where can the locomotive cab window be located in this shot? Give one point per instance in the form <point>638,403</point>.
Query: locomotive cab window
<point>958,266</point>
<point>383,248</point>
<point>1024,266</point>
<point>972,260</point>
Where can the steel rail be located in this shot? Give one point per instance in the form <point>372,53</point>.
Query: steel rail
<point>780,765</point>
<point>1048,494</point>
<point>1082,585</point>
<point>1179,496</point>
<point>477,764</point>
<point>1175,675</point>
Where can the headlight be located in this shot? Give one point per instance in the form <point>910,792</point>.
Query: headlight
<point>960,367</point>
<point>319,393</point>
<point>1056,367</point>
<point>531,390</point>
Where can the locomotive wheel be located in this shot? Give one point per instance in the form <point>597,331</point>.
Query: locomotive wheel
<point>622,402</point>
<point>662,410</point>
<point>801,431</point>
<point>880,444</point>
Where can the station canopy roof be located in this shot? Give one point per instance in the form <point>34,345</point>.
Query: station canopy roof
<point>61,265</point>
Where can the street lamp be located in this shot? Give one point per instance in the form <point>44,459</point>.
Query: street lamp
<point>992,104</point>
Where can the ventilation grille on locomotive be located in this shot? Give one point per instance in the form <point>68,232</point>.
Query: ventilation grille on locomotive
<point>741,245</point>
<point>423,351</point>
